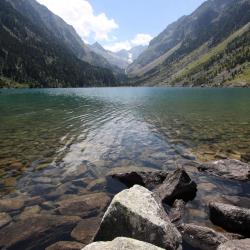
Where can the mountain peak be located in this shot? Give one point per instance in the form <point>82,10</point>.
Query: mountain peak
<point>98,46</point>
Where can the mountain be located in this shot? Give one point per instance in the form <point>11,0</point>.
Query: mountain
<point>66,34</point>
<point>111,57</point>
<point>31,53</point>
<point>122,58</point>
<point>208,47</point>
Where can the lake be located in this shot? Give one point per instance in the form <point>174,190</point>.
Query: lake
<point>46,135</point>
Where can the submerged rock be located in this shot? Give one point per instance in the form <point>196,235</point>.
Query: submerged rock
<point>4,219</point>
<point>66,245</point>
<point>235,245</point>
<point>135,213</point>
<point>85,205</point>
<point>230,169</point>
<point>122,243</point>
<point>11,204</point>
<point>231,218</point>
<point>177,211</point>
<point>177,185</point>
<point>85,230</point>
<point>146,177</point>
<point>202,237</point>
<point>29,212</point>
<point>38,230</point>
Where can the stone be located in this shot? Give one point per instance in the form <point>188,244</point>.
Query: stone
<point>37,232</point>
<point>135,213</point>
<point>85,206</point>
<point>85,230</point>
<point>177,211</point>
<point>11,204</point>
<point>75,173</point>
<point>97,185</point>
<point>177,185</point>
<point>121,243</point>
<point>235,245</point>
<point>229,169</point>
<point>146,177</point>
<point>231,218</point>
<point>29,212</point>
<point>4,219</point>
<point>202,237</point>
<point>66,245</point>
<point>245,157</point>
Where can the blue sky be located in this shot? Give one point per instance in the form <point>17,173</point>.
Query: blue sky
<point>120,24</point>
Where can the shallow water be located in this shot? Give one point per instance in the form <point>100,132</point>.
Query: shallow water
<point>51,132</point>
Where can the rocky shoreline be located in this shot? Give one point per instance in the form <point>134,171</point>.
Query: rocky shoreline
<point>147,212</point>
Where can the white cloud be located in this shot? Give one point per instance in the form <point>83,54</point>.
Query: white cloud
<point>139,39</point>
<point>80,14</point>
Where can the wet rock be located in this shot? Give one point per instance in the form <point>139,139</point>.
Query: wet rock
<point>4,219</point>
<point>98,184</point>
<point>177,211</point>
<point>41,189</point>
<point>235,245</point>
<point>85,230</point>
<point>121,243</point>
<point>38,230</point>
<point>65,245</point>
<point>231,218</point>
<point>66,188</point>
<point>29,212</point>
<point>85,205</point>
<point>202,237</point>
<point>11,204</point>
<point>245,157</point>
<point>177,185</point>
<point>136,213</point>
<point>75,173</point>
<point>146,177</point>
<point>230,169</point>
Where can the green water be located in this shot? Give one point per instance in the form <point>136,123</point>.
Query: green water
<point>50,133</point>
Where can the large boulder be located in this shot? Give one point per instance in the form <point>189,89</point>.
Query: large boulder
<point>85,205</point>
<point>121,243</point>
<point>231,218</point>
<point>66,245</point>
<point>229,169</point>
<point>146,177</point>
<point>37,232</point>
<point>135,213</point>
<point>177,185</point>
<point>235,245</point>
<point>202,237</point>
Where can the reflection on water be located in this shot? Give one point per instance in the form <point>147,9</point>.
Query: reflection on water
<point>50,133</point>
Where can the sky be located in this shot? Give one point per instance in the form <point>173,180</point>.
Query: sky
<point>120,24</point>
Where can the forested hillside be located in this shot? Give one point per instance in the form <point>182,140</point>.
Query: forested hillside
<point>31,55</point>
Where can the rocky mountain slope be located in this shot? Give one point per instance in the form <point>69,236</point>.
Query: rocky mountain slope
<point>31,53</point>
<point>121,59</point>
<point>209,47</point>
<point>66,34</point>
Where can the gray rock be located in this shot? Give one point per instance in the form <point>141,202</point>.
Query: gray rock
<point>231,218</point>
<point>4,219</point>
<point>85,230</point>
<point>202,237</point>
<point>236,245</point>
<point>122,243</point>
<point>177,185</point>
<point>135,213</point>
<point>85,205</point>
<point>146,177</point>
<point>230,169</point>
<point>177,211</point>
<point>66,245</point>
<point>38,230</point>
